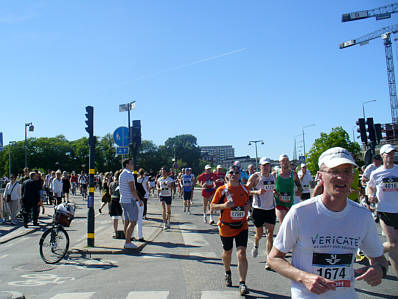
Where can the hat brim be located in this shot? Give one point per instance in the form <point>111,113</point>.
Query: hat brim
<point>338,162</point>
<point>389,150</point>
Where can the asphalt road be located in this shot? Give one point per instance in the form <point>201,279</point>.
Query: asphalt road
<point>183,262</point>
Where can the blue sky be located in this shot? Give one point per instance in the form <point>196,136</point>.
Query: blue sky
<point>225,71</point>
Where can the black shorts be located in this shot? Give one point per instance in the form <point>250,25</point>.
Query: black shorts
<point>187,195</point>
<point>166,199</point>
<point>305,196</point>
<point>240,240</point>
<point>391,219</point>
<point>260,217</point>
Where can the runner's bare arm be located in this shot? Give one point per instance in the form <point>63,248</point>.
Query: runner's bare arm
<point>371,191</point>
<point>253,181</point>
<point>314,283</point>
<point>297,182</point>
<point>221,206</point>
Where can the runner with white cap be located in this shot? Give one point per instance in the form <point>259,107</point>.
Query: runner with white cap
<point>262,186</point>
<point>284,187</point>
<point>207,180</point>
<point>323,235</point>
<point>383,190</point>
<point>305,180</point>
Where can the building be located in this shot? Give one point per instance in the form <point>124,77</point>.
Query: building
<point>217,154</point>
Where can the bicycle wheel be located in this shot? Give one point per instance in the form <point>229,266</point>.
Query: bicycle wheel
<point>54,245</point>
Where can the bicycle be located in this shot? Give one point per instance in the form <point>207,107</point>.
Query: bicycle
<point>54,243</point>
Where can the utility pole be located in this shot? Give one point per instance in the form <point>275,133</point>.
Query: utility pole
<point>255,144</point>
<point>31,129</point>
<point>91,172</point>
<point>10,144</point>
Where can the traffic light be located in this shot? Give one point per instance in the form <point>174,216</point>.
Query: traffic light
<point>362,130</point>
<point>371,129</point>
<point>90,120</point>
<point>378,133</point>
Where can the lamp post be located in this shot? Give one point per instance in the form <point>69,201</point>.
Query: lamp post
<point>31,129</point>
<point>127,107</point>
<point>255,144</point>
<point>363,107</point>
<point>10,143</point>
<point>312,125</point>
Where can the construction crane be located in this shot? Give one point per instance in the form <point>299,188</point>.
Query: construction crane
<point>385,34</point>
<point>380,13</point>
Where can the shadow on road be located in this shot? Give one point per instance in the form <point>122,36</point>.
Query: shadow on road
<point>373,294</point>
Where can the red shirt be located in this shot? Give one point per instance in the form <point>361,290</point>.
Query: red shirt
<point>207,179</point>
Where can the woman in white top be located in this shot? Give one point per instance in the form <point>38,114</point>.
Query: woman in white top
<point>12,197</point>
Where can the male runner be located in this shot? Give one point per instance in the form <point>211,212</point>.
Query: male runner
<point>164,186</point>
<point>207,180</point>
<point>383,190</point>
<point>284,187</point>
<point>262,186</point>
<point>187,182</point>
<point>305,180</point>
<point>233,201</point>
<point>324,234</point>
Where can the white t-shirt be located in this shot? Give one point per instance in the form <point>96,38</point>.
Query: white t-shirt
<point>326,242</point>
<point>164,184</point>
<point>126,196</point>
<point>266,200</point>
<point>368,170</point>
<point>306,181</point>
<point>386,183</point>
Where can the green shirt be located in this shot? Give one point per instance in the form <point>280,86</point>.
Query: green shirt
<point>285,188</point>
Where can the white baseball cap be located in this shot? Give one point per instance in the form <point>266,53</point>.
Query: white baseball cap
<point>336,156</point>
<point>386,148</point>
<point>219,166</point>
<point>303,165</point>
<point>264,161</point>
<point>207,166</point>
<point>283,156</point>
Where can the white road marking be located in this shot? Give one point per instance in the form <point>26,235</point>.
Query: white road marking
<point>3,256</point>
<point>203,254</point>
<point>220,295</point>
<point>148,295</point>
<point>86,295</point>
<point>191,238</point>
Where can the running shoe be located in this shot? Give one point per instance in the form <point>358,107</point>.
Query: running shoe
<point>228,280</point>
<point>130,246</point>
<point>254,251</point>
<point>164,226</point>
<point>211,221</point>
<point>243,289</point>
<point>168,224</point>
<point>185,209</point>
<point>267,267</point>
<point>204,218</point>
<point>189,212</point>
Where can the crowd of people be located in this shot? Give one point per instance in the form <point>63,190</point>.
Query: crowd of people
<point>320,230</point>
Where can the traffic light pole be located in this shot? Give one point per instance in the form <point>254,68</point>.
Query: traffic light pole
<point>91,172</point>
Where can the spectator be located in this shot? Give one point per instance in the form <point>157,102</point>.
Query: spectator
<point>12,197</point>
<point>31,198</point>
<point>115,209</point>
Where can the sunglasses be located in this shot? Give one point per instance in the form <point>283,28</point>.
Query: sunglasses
<point>234,172</point>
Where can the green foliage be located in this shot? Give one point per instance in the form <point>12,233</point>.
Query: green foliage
<point>338,137</point>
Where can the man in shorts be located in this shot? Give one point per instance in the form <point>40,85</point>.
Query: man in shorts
<point>186,184</point>
<point>383,190</point>
<point>305,180</point>
<point>284,187</point>
<point>262,186</point>
<point>164,186</point>
<point>207,179</point>
<point>233,201</point>
<point>128,199</point>
<point>323,235</point>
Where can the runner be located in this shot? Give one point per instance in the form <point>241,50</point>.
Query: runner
<point>207,180</point>
<point>173,185</point>
<point>284,189</point>
<point>152,182</point>
<point>383,190</point>
<point>187,182</point>
<point>305,180</point>
<point>233,201</point>
<point>164,185</point>
<point>180,190</point>
<point>324,235</point>
<point>220,176</point>
<point>83,184</point>
<point>263,185</point>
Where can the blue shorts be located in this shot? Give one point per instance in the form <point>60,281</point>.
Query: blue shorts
<point>130,211</point>
<point>166,199</point>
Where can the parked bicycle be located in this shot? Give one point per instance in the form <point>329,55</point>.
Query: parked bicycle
<point>54,243</point>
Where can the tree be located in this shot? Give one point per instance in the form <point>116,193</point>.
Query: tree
<point>338,137</point>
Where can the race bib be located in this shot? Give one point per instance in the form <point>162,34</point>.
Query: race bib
<point>285,197</point>
<point>209,182</point>
<point>336,267</point>
<point>390,184</point>
<point>237,213</point>
<point>269,186</point>
<point>187,183</point>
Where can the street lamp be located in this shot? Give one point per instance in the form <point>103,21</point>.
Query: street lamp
<point>10,143</point>
<point>31,129</point>
<point>255,144</point>
<point>363,107</point>
<point>312,125</point>
<point>127,107</point>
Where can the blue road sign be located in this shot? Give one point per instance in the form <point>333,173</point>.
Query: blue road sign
<point>1,141</point>
<point>121,136</point>
<point>122,150</point>
<point>302,159</point>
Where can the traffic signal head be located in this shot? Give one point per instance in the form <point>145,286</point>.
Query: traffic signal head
<point>378,133</point>
<point>371,129</point>
<point>362,130</point>
<point>90,120</point>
